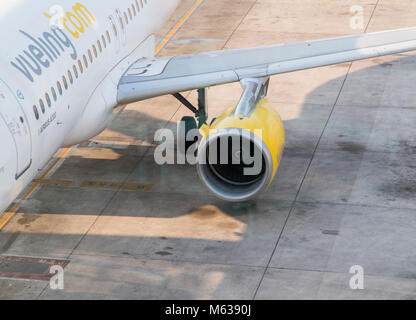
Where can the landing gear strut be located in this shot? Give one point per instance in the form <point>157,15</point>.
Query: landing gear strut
<point>190,123</point>
<point>201,113</point>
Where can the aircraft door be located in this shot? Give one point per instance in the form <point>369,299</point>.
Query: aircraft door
<point>11,112</point>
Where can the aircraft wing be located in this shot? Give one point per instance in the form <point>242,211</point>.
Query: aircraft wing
<point>149,78</point>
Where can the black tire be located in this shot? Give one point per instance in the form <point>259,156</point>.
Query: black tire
<point>190,124</point>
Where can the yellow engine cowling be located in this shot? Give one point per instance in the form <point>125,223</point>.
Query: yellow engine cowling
<point>261,132</point>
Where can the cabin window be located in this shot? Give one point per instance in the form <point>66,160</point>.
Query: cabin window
<point>71,80</point>
<point>54,95</point>
<point>58,85</point>
<point>75,71</point>
<point>81,68</point>
<point>90,55</point>
<point>42,105</point>
<point>114,30</point>
<point>36,112</point>
<point>64,82</point>
<point>48,100</point>
<point>121,22</point>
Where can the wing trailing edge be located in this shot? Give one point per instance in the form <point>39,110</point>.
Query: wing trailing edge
<point>149,78</point>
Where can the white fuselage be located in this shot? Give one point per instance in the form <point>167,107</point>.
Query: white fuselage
<point>60,64</point>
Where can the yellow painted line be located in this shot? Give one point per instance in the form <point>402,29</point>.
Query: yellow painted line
<point>36,185</point>
<point>176,28</point>
<point>49,181</point>
<point>9,215</point>
<point>116,185</point>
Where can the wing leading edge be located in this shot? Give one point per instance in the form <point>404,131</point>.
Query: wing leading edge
<point>149,78</point>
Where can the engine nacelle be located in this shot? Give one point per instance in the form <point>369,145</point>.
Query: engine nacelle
<point>241,151</point>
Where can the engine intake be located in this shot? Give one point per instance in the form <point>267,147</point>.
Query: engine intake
<point>241,151</point>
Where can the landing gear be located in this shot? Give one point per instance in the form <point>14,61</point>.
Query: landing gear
<point>201,113</point>
<point>185,126</point>
<point>190,123</point>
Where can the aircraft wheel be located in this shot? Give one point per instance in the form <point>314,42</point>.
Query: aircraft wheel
<point>187,124</point>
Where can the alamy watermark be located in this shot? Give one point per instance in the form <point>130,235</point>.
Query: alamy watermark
<point>230,148</point>
<point>57,280</point>
<point>57,17</point>
<point>357,280</point>
<point>357,19</point>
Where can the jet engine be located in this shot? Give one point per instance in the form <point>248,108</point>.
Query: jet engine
<point>241,151</point>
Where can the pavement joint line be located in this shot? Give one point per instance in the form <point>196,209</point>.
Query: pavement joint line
<point>352,204</point>
<point>55,182</point>
<point>107,185</point>
<point>138,258</point>
<point>238,26</point>
<point>176,28</point>
<point>144,258</point>
<point>330,149</point>
<point>382,106</point>
<point>380,275</point>
<point>287,201</point>
<point>148,188</point>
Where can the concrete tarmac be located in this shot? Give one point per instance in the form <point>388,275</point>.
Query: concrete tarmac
<point>126,228</point>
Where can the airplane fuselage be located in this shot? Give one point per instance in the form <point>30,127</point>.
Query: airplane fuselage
<point>59,67</point>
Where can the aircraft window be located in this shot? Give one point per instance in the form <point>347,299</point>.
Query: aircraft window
<point>121,23</point>
<point>134,10</point>
<point>58,84</point>
<point>90,55</point>
<point>130,15</point>
<point>75,71</point>
<point>48,100</point>
<point>137,6</point>
<point>85,61</point>
<point>70,77</point>
<point>99,46</point>
<point>104,43</point>
<point>42,105</point>
<point>108,36</point>
<point>81,68</point>
<point>114,30</point>
<point>65,82</point>
<point>125,18</point>
<point>54,94</point>
<point>36,112</point>
<point>94,48</point>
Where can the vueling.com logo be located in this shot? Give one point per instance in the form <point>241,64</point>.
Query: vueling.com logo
<point>47,48</point>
